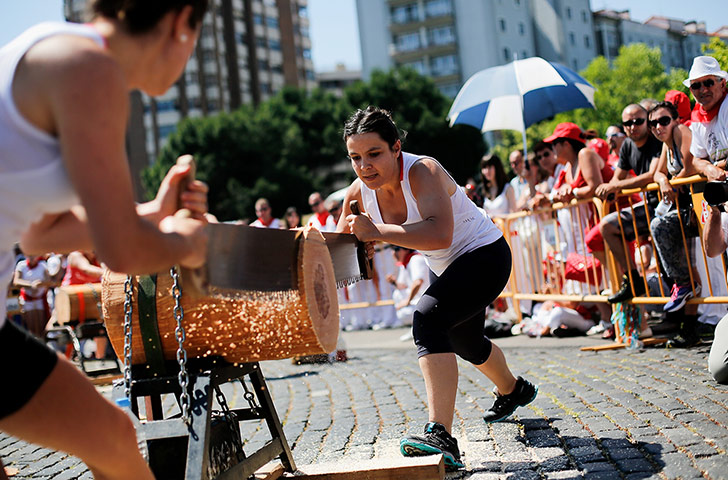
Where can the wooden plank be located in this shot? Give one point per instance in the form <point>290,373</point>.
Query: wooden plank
<point>270,471</point>
<point>431,467</point>
<point>647,342</point>
<point>105,379</point>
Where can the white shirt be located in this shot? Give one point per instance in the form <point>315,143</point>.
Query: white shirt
<point>33,178</point>
<point>276,223</point>
<point>499,205</point>
<point>39,272</point>
<point>416,269</point>
<point>710,140</point>
<point>472,227</point>
<point>328,226</point>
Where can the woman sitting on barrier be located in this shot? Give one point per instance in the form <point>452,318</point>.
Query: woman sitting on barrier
<point>669,229</point>
<point>65,181</point>
<point>413,202</point>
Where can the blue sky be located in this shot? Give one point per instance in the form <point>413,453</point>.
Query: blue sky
<point>335,33</point>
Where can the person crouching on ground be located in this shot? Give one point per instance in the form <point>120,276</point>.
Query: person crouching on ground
<point>411,201</point>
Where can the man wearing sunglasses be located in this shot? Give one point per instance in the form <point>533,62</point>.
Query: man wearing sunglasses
<point>640,153</point>
<point>707,82</point>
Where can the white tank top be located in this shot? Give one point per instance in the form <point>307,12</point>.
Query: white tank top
<point>473,228</point>
<point>33,178</point>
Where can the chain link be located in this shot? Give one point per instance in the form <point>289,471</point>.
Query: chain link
<point>249,396</point>
<point>128,308</point>
<point>179,333</point>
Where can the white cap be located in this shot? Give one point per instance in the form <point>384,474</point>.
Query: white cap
<point>704,66</point>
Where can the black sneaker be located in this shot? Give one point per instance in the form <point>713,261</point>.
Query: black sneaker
<point>683,341</point>
<point>435,440</point>
<point>625,291</point>
<point>505,405</point>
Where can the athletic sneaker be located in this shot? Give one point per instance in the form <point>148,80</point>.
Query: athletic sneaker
<point>680,295</point>
<point>505,405</point>
<point>435,440</point>
<point>625,290</point>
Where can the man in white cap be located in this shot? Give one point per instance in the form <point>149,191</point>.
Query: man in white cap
<point>709,118</point>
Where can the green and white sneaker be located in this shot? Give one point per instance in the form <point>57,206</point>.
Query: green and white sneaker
<point>435,440</point>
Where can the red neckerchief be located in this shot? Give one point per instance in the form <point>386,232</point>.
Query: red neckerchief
<point>264,222</point>
<point>405,261</point>
<point>700,115</point>
<point>322,217</point>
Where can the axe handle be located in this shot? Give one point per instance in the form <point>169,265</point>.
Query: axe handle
<point>366,264</point>
<point>194,281</point>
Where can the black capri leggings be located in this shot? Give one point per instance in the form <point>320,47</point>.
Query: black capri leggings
<point>450,316</point>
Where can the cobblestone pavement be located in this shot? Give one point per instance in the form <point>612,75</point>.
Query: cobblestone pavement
<point>651,414</point>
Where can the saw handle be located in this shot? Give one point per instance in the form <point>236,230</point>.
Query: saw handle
<point>194,280</point>
<point>366,264</point>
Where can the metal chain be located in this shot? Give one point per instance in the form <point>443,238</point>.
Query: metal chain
<point>128,307</point>
<point>249,396</point>
<point>231,420</point>
<point>179,333</point>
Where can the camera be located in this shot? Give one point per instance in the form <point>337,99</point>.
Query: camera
<point>716,193</point>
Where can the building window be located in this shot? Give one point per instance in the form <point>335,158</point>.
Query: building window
<point>443,65</point>
<point>166,130</point>
<point>584,16</point>
<point>450,90</point>
<point>405,13</point>
<point>507,54</point>
<point>306,53</point>
<point>438,8</point>
<point>272,22</point>
<point>166,106</point>
<point>257,19</point>
<point>568,12</point>
<point>407,42</point>
<point>240,38</point>
<point>525,54</point>
<point>303,11</point>
<point>575,64</point>
<point>502,23</point>
<point>518,2</point>
<point>521,28</point>
<point>572,38</point>
<point>418,66</point>
<point>441,35</point>
<point>260,42</point>
<point>274,44</point>
<point>587,42</point>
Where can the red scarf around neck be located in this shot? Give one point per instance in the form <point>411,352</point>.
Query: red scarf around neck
<point>266,224</point>
<point>405,261</point>
<point>701,115</point>
<point>322,216</point>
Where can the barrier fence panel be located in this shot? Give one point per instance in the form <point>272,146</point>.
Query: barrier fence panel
<point>553,262</point>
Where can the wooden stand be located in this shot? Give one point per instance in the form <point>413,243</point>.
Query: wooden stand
<point>169,438</point>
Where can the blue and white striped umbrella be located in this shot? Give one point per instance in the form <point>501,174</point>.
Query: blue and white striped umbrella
<point>519,94</point>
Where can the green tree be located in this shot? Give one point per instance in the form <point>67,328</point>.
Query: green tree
<point>291,145</point>
<point>718,49</point>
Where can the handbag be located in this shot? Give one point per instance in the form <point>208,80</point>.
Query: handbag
<point>583,269</point>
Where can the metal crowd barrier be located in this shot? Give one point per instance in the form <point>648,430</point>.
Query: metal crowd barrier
<point>551,260</point>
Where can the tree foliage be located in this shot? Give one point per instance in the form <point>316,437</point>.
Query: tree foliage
<point>718,49</point>
<point>291,145</point>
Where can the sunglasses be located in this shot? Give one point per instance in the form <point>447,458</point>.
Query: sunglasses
<point>546,153</point>
<point>618,134</point>
<point>636,121</point>
<point>315,204</point>
<point>664,121</point>
<point>705,83</point>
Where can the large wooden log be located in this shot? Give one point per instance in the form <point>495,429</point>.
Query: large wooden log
<point>247,327</point>
<point>78,303</point>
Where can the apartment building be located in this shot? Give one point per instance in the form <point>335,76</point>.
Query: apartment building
<point>449,40</point>
<point>248,50</point>
<point>679,41</point>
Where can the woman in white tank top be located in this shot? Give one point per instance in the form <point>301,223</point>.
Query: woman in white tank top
<point>411,201</point>
<point>65,185</point>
